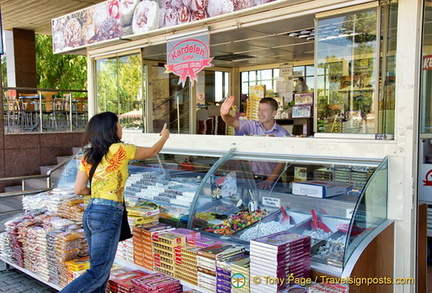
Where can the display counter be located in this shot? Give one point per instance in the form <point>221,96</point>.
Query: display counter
<point>340,203</point>
<point>221,195</point>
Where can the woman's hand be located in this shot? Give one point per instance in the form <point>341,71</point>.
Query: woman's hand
<point>165,133</point>
<point>143,153</point>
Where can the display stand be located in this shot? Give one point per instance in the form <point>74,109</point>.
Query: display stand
<point>126,264</point>
<point>186,286</point>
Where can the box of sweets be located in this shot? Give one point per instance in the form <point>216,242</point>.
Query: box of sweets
<point>123,282</point>
<point>285,255</point>
<point>204,242</point>
<point>280,258</point>
<point>206,257</point>
<point>206,281</point>
<point>187,254</point>
<point>222,288</point>
<point>156,283</point>
<point>191,236</point>
<point>78,264</point>
<point>219,251</point>
<point>280,242</point>
<point>223,266</point>
<point>299,272</point>
<point>168,239</point>
<point>258,264</point>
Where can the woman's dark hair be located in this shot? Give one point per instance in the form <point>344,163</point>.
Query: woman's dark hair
<point>101,133</point>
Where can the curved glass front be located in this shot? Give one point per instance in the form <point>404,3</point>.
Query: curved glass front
<point>371,209</point>
<point>337,202</point>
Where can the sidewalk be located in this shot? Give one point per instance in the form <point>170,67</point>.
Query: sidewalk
<point>15,281</point>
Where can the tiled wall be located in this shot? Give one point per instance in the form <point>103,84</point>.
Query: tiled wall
<point>23,154</point>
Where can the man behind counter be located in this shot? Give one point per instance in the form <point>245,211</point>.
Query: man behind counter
<point>266,125</point>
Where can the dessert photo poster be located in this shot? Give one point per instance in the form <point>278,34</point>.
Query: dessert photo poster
<point>1,36</point>
<point>114,19</point>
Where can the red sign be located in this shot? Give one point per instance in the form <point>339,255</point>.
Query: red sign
<point>188,56</point>
<point>427,62</point>
<point>428,179</point>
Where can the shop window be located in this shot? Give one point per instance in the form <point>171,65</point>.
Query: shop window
<point>426,75</point>
<point>355,88</point>
<point>266,77</point>
<point>170,100</point>
<point>119,89</point>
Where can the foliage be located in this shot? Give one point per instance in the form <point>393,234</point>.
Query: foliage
<point>3,71</point>
<point>54,71</point>
<point>119,83</point>
<point>361,26</point>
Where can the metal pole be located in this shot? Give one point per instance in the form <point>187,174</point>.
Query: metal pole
<point>178,114</point>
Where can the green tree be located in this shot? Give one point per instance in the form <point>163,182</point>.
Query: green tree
<point>3,71</point>
<point>55,71</point>
<point>119,84</point>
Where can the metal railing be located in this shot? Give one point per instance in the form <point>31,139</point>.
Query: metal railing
<point>176,118</point>
<point>23,180</point>
<point>42,110</point>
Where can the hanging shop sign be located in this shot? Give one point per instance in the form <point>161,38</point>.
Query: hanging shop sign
<point>187,56</point>
<point>428,178</point>
<point>427,62</point>
<point>115,19</point>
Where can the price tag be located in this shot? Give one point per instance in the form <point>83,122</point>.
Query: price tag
<point>349,213</point>
<point>271,202</point>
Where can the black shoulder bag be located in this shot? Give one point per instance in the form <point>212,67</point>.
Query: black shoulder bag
<point>125,232</point>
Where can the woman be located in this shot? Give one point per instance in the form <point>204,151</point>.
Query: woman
<point>103,215</point>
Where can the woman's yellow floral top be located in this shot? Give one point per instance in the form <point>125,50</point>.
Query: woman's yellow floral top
<point>110,177</point>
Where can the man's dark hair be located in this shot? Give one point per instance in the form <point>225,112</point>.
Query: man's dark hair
<point>272,102</point>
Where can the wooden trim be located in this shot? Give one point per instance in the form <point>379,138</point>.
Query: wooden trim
<point>422,248</point>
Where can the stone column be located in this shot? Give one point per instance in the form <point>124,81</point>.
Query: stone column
<point>21,58</point>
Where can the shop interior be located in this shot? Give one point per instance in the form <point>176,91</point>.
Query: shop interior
<point>342,67</point>
<point>353,84</point>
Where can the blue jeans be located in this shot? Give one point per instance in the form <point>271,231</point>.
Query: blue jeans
<point>101,225</point>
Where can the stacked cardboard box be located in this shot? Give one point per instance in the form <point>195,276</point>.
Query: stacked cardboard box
<point>165,246</point>
<point>185,266</point>
<point>122,283</point>
<point>143,244</point>
<point>77,267</point>
<point>157,283</point>
<point>125,250</point>
<point>223,272</point>
<point>142,215</point>
<point>277,256</point>
<point>207,259</point>
<point>240,270</point>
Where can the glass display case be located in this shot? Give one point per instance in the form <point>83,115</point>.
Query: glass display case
<point>337,202</point>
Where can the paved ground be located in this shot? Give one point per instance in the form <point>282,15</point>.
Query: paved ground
<point>14,281</point>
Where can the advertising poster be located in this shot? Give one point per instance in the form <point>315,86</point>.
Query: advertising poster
<point>115,19</point>
<point>1,37</point>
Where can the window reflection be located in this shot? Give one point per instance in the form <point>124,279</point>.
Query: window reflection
<point>119,88</point>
